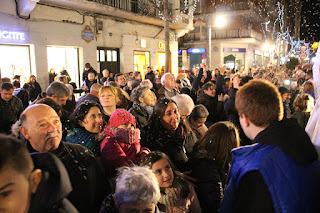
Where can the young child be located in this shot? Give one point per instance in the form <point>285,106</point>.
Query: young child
<point>177,194</point>
<point>121,146</point>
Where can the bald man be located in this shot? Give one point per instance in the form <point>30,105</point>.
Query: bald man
<point>93,96</point>
<point>42,131</point>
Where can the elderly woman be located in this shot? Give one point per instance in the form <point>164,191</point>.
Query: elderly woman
<point>137,190</point>
<point>87,124</point>
<point>108,96</point>
<point>185,105</point>
<point>144,100</point>
<point>165,133</point>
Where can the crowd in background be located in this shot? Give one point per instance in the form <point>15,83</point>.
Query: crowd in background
<point>178,131</point>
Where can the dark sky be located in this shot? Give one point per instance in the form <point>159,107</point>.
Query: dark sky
<point>310,20</point>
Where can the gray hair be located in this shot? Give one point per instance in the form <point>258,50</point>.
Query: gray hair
<point>164,77</point>
<point>146,83</point>
<point>199,111</point>
<point>95,88</point>
<point>59,89</point>
<point>184,102</point>
<point>136,185</point>
<point>137,93</point>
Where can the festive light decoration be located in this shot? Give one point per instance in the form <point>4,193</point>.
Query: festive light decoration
<point>284,35</point>
<point>182,14</point>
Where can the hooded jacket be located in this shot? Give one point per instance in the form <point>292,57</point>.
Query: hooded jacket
<point>54,186</point>
<point>284,163</point>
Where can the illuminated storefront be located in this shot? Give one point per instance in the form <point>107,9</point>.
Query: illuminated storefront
<point>141,61</point>
<point>234,57</point>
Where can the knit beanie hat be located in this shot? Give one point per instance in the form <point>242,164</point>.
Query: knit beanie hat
<point>121,116</point>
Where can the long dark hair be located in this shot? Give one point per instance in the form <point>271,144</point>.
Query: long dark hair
<point>81,111</point>
<point>217,143</point>
<point>158,112</point>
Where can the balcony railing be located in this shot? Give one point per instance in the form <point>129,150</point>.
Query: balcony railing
<point>223,34</point>
<point>142,7</point>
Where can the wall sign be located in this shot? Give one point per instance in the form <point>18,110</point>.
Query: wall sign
<point>87,34</point>
<point>6,35</point>
<point>239,50</point>
<point>162,46</point>
<point>197,50</point>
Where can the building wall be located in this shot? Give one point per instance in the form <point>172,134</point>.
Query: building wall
<point>50,26</point>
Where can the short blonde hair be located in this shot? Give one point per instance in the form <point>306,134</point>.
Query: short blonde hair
<point>111,89</point>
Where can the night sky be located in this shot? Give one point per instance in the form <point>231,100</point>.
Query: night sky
<point>310,20</point>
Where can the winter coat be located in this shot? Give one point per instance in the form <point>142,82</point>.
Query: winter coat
<point>150,75</point>
<point>210,180</point>
<point>86,176</point>
<point>116,152</point>
<point>233,117</point>
<point>197,84</point>
<point>9,113</point>
<point>83,137</point>
<point>141,115</point>
<point>23,94</point>
<point>34,91</point>
<point>54,186</point>
<point>302,118</point>
<point>214,107</point>
<point>288,165</point>
<point>172,144</point>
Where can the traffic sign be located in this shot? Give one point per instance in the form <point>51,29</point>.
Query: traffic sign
<point>303,55</point>
<point>303,48</point>
<point>204,55</point>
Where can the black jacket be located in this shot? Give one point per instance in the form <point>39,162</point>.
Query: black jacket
<point>9,113</point>
<point>54,186</point>
<point>140,114</point>
<point>232,116</point>
<point>23,94</point>
<point>86,175</point>
<point>214,107</point>
<point>197,84</point>
<point>210,181</point>
<point>34,90</point>
<point>158,138</point>
<point>150,75</point>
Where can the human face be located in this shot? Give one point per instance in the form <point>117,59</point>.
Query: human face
<point>121,80</point>
<point>33,79</point>
<point>107,98</point>
<point>105,73</point>
<point>6,95</point>
<point>284,96</point>
<point>143,208</point>
<point>15,193</point>
<point>91,76</point>
<point>198,123</point>
<point>62,100</point>
<point>163,171</point>
<point>138,77</point>
<point>169,82</point>
<point>211,91</point>
<point>171,117</point>
<point>92,122</point>
<point>43,128</point>
<point>149,98</point>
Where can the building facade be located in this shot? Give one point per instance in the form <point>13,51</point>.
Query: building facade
<point>238,42</point>
<point>120,35</point>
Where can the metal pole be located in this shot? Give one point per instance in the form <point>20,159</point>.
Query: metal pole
<point>209,48</point>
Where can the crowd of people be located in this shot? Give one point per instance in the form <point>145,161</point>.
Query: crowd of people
<point>204,141</point>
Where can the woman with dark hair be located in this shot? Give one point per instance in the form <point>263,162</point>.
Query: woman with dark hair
<point>87,123</point>
<point>35,88</point>
<point>177,194</point>
<point>210,161</point>
<point>142,108</point>
<point>165,133</point>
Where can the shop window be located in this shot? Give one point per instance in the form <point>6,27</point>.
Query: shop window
<point>15,60</point>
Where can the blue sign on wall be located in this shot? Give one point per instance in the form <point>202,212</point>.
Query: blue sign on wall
<point>180,51</point>
<point>238,50</point>
<point>197,50</point>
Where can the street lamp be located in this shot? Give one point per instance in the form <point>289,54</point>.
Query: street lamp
<point>220,21</point>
